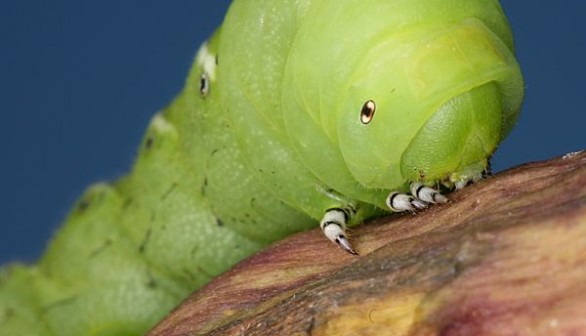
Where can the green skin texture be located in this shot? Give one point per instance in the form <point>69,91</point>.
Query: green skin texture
<point>275,142</point>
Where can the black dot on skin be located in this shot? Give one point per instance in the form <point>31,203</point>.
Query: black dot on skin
<point>149,142</point>
<point>8,313</point>
<point>83,205</point>
<point>127,204</point>
<point>152,284</point>
<point>202,84</point>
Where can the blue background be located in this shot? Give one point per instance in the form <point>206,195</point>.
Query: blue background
<point>79,82</point>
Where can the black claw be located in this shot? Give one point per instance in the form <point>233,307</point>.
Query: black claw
<point>351,251</point>
<point>343,242</point>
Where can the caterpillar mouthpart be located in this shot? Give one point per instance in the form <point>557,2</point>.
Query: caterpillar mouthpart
<point>459,137</point>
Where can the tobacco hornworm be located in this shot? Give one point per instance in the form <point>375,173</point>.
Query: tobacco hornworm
<point>294,113</point>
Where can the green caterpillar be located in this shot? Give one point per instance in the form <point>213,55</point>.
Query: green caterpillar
<point>294,113</point>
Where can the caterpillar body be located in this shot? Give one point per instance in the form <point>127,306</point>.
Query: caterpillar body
<point>294,113</point>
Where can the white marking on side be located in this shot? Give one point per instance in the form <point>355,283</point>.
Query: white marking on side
<point>161,124</point>
<point>207,61</point>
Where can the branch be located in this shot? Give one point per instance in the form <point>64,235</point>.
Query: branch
<point>507,256</point>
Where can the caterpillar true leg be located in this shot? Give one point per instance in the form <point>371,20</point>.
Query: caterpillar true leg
<point>427,194</point>
<point>399,202</point>
<point>421,196</point>
<point>333,225</point>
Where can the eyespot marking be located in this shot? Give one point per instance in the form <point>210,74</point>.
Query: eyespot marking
<point>367,111</point>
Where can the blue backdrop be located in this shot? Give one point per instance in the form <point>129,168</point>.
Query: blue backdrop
<point>79,82</point>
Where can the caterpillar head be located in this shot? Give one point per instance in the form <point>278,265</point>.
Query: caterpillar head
<point>414,99</point>
<point>427,109</point>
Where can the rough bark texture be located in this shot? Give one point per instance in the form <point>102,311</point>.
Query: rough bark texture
<point>506,256</point>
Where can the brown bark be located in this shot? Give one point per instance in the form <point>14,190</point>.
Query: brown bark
<point>506,256</point>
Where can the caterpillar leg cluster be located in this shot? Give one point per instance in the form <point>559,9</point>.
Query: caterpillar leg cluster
<point>335,220</point>
<point>421,196</point>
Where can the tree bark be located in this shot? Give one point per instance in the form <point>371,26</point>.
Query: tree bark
<point>506,256</point>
